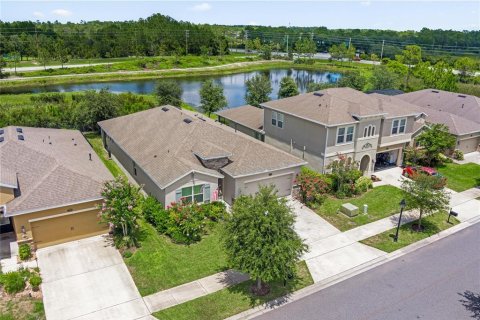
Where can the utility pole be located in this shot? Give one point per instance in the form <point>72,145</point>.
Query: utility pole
<point>186,42</point>
<point>246,41</point>
<point>349,42</point>
<point>381,54</point>
<point>287,45</point>
<point>311,36</point>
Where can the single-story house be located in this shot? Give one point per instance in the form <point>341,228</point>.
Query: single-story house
<point>460,112</point>
<point>179,155</point>
<point>50,185</point>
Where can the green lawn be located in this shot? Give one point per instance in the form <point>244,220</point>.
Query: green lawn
<point>233,300</point>
<point>95,141</point>
<point>461,177</point>
<point>433,224</point>
<point>382,202</point>
<point>160,264</point>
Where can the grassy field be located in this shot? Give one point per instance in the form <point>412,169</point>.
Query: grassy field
<point>21,308</point>
<point>433,224</point>
<point>461,177</point>
<point>32,62</point>
<point>230,301</point>
<point>95,141</point>
<point>160,264</point>
<point>382,202</point>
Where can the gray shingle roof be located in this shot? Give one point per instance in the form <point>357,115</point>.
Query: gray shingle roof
<point>248,116</point>
<point>337,106</point>
<point>463,105</point>
<point>164,146</point>
<point>52,171</point>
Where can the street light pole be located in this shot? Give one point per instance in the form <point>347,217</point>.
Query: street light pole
<point>402,206</point>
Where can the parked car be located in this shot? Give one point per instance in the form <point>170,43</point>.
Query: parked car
<point>413,172</point>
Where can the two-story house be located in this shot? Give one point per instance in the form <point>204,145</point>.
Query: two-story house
<point>371,129</point>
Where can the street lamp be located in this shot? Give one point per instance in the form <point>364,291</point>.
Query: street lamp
<point>403,203</point>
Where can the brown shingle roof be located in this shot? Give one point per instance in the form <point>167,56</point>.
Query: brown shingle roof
<point>164,146</point>
<point>463,105</point>
<point>337,106</point>
<point>52,171</point>
<point>248,116</point>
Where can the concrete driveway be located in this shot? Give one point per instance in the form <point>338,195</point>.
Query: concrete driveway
<point>87,279</point>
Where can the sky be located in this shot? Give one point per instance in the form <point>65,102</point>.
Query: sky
<point>394,15</point>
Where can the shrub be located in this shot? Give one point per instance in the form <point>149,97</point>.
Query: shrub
<point>24,252</point>
<point>311,184</point>
<point>127,254</point>
<point>458,154</point>
<point>53,97</point>
<point>187,223</point>
<point>214,211</point>
<point>344,173</point>
<point>13,282</point>
<point>363,184</point>
<point>35,281</point>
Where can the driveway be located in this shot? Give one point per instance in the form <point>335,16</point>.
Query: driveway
<point>87,279</point>
<point>472,157</point>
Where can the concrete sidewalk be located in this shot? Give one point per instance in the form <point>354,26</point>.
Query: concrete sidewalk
<point>192,290</point>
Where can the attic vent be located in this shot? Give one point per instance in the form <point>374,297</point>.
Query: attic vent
<point>19,130</point>
<point>1,139</point>
<point>461,96</point>
<point>187,120</point>
<point>434,91</point>
<point>20,137</point>
<point>318,94</point>
<point>165,109</point>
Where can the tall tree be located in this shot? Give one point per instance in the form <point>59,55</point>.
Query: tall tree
<point>95,107</point>
<point>212,98</point>
<point>258,90</point>
<point>465,66</point>
<point>435,140</point>
<point>410,56</point>
<point>423,193</point>
<point>260,238</point>
<point>3,64</point>
<point>306,46</point>
<point>439,76</point>
<point>383,78</point>
<point>353,79</point>
<point>61,52</point>
<point>169,92</point>
<point>288,88</point>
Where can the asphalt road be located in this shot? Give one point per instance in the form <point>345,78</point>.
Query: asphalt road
<point>429,283</point>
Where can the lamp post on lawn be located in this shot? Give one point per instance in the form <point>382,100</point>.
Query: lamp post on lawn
<point>403,203</point>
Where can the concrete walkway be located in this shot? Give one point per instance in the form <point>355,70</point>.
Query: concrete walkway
<point>192,290</point>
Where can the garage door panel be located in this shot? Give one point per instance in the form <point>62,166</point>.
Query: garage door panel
<point>283,185</point>
<point>66,228</point>
<point>468,145</point>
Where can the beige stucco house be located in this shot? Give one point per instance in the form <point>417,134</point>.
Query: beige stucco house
<point>178,155</point>
<point>50,185</point>
<point>372,129</point>
<point>460,112</point>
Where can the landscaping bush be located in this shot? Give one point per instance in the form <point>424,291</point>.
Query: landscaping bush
<point>13,282</point>
<point>187,223</point>
<point>457,154</point>
<point>215,211</point>
<point>35,281</point>
<point>127,254</point>
<point>344,173</point>
<point>24,252</point>
<point>363,184</point>
<point>312,185</point>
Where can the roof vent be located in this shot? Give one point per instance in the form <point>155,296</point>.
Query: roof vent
<point>318,94</point>
<point>461,96</point>
<point>1,139</point>
<point>165,109</point>
<point>434,91</point>
<point>19,130</point>
<point>187,120</point>
<point>20,137</point>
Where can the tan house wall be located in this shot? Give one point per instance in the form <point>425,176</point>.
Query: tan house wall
<point>468,143</point>
<point>6,195</point>
<point>60,224</point>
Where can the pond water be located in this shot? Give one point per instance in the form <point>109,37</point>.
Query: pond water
<point>233,85</point>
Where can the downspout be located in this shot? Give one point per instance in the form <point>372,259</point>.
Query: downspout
<point>325,150</point>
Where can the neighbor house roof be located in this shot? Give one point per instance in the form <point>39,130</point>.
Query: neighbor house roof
<point>337,106</point>
<point>166,143</point>
<point>248,116</point>
<point>457,125</point>
<point>49,168</point>
<point>463,105</point>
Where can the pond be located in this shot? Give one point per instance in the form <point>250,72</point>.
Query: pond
<point>233,85</point>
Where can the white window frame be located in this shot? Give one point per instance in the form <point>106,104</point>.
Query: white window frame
<point>204,191</point>
<point>278,119</point>
<point>274,118</point>
<point>345,134</point>
<point>398,126</point>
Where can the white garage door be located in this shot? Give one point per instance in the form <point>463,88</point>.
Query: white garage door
<point>282,183</point>
<point>468,145</point>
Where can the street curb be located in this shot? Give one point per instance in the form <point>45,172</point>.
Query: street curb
<point>302,293</point>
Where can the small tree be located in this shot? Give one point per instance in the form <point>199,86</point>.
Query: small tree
<point>288,88</point>
<point>169,92</point>
<point>260,238</point>
<point>423,194</point>
<point>465,66</point>
<point>383,78</point>
<point>353,79</point>
<point>3,64</point>
<point>61,52</point>
<point>121,208</point>
<point>266,52</point>
<point>344,173</point>
<point>212,98</point>
<point>435,140</point>
<point>258,90</point>
<point>95,107</point>
<point>411,56</point>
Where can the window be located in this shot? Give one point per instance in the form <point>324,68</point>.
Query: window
<point>369,131</point>
<point>198,193</point>
<point>134,168</point>
<point>277,119</point>
<point>345,134</point>
<point>398,126</point>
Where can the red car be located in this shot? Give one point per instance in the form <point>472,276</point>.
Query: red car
<point>410,171</point>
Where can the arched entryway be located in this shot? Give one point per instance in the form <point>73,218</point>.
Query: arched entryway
<point>364,163</point>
